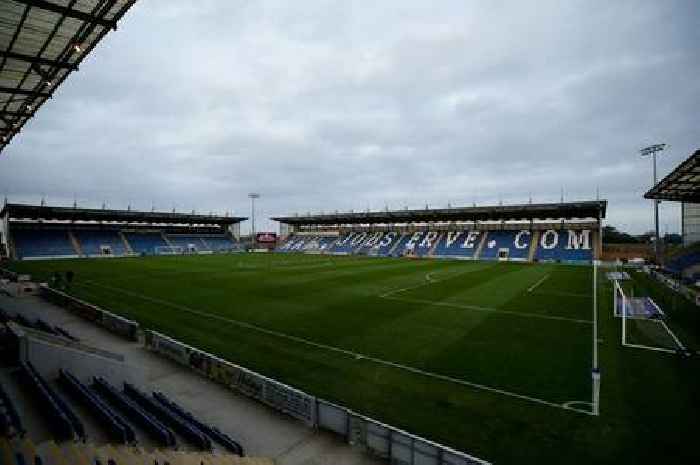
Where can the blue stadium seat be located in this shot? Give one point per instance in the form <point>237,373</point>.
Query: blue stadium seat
<point>64,423</point>
<point>386,243</point>
<point>155,428</point>
<point>10,420</point>
<point>145,242</point>
<point>219,243</point>
<point>506,244</point>
<point>118,428</point>
<point>459,244</point>
<point>38,243</point>
<point>188,242</point>
<point>565,246</point>
<point>92,242</point>
<point>162,413</point>
<point>210,431</point>
<point>683,261</point>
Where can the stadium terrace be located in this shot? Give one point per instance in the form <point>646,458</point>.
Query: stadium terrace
<point>559,232</point>
<point>40,231</point>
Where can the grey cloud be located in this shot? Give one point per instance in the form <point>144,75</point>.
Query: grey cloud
<point>343,105</point>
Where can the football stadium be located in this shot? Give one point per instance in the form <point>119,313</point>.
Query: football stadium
<point>503,333</point>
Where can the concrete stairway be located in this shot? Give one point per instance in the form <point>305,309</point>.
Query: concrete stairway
<point>396,244</point>
<point>75,242</point>
<point>431,252</point>
<point>484,237</point>
<point>127,246</point>
<point>75,453</point>
<point>534,242</point>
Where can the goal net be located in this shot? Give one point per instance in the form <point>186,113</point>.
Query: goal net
<point>169,250</point>
<point>643,321</point>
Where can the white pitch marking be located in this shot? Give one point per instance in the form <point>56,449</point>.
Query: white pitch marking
<point>534,286</point>
<point>429,281</point>
<point>488,309</point>
<point>346,352</point>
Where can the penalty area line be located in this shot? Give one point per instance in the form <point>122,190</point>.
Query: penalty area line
<point>356,355</point>
<point>534,286</point>
<point>487,309</point>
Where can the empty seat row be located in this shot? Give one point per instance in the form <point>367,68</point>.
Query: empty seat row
<point>64,423</point>
<point>152,425</point>
<point>210,431</point>
<point>179,424</point>
<point>119,430</point>
<point>10,421</point>
<point>39,324</point>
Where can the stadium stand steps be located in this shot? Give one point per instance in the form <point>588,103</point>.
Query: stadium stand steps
<point>10,421</point>
<point>213,433</point>
<point>480,248</point>
<point>24,451</point>
<point>119,430</point>
<point>127,245</point>
<point>183,427</point>
<point>76,244</point>
<point>143,242</point>
<point>534,244</point>
<point>433,247</point>
<point>63,421</point>
<point>37,243</point>
<point>165,239</point>
<point>157,430</point>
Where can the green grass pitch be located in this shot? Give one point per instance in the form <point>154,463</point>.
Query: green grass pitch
<point>490,358</point>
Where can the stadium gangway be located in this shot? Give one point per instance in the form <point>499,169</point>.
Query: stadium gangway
<point>185,428</point>
<point>41,325</point>
<point>10,419</point>
<point>212,432</point>
<point>154,427</point>
<point>61,424</point>
<point>61,331</point>
<point>118,428</point>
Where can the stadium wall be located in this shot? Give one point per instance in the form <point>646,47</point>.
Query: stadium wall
<point>114,323</point>
<point>381,440</point>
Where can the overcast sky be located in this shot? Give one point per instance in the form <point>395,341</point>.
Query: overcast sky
<point>325,105</point>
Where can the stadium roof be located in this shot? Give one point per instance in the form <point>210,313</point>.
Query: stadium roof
<point>568,210</point>
<point>38,212</point>
<point>682,184</point>
<point>41,43</point>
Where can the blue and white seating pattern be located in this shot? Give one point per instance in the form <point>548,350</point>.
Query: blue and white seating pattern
<point>511,245</point>
<point>565,246</point>
<point>459,244</point>
<point>553,245</point>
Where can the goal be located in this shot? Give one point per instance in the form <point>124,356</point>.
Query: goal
<point>643,321</point>
<point>169,250</point>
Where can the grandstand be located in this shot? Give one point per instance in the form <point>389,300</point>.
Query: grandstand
<point>41,232</point>
<point>561,232</point>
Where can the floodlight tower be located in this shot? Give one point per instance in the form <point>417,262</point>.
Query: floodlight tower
<point>252,196</point>
<point>645,152</point>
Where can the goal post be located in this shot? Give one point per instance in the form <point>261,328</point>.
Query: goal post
<point>169,250</point>
<point>643,324</point>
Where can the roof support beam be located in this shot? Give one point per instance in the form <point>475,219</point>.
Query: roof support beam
<point>38,60</point>
<point>33,93</point>
<point>69,12</point>
<point>16,114</point>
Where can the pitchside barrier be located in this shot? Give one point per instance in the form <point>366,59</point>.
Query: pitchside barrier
<point>108,320</point>
<point>379,439</point>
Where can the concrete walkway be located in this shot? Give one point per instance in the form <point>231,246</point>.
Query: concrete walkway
<point>263,432</point>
